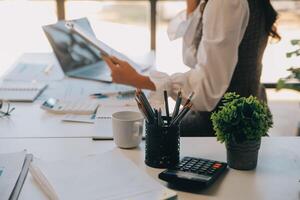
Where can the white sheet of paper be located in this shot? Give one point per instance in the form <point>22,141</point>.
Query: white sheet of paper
<point>90,38</point>
<point>107,176</point>
<point>10,168</point>
<point>35,67</point>
<point>79,118</point>
<point>71,88</point>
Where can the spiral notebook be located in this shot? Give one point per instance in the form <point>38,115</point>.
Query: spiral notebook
<point>21,92</point>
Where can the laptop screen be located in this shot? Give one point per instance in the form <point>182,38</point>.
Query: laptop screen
<point>70,49</point>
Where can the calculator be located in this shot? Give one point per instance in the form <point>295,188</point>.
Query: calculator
<point>192,172</point>
<point>84,107</point>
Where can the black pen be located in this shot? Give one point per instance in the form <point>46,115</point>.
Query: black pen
<point>167,105</point>
<point>121,93</point>
<point>181,115</point>
<point>95,138</point>
<point>160,122</point>
<point>98,95</point>
<point>146,103</point>
<point>142,110</point>
<point>156,117</point>
<point>147,109</point>
<point>177,105</point>
<point>126,93</point>
<point>189,99</point>
<point>101,138</point>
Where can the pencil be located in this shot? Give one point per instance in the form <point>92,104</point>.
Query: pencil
<point>160,122</point>
<point>142,110</point>
<point>189,99</point>
<point>181,115</point>
<point>167,105</point>
<point>145,103</point>
<point>177,105</point>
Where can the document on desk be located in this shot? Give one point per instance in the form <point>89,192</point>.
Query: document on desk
<point>70,89</point>
<point>20,91</point>
<point>108,176</point>
<point>10,168</point>
<point>30,71</point>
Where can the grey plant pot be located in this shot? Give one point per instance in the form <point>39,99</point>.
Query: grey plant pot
<point>242,156</point>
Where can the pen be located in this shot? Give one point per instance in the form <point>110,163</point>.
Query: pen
<point>181,115</point>
<point>142,109</point>
<point>48,69</point>
<point>102,138</point>
<point>119,94</point>
<point>126,93</point>
<point>106,138</point>
<point>156,117</point>
<point>98,95</point>
<point>166,105</point>
<point>145,102</point>
<point>189,99</point>
<point>177,105</point>
<point>160,122</point>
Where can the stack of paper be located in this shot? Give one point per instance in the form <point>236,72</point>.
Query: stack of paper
<point>107,176</point>
<point>21,91</point>
<point>13,171</point>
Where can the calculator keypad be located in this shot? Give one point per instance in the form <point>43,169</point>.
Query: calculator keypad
<point>199,166</point>
<point>194,170</point>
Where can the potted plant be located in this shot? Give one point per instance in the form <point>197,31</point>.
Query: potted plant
<point>240,122</point>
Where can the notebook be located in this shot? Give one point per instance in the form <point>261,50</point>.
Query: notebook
<point>108,176</point>
<point>23,92</point>
<point>13,172</point>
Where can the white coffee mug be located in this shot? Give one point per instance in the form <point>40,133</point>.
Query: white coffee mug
<point>127,128</point>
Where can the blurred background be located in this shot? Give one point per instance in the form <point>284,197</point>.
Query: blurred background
<point>137,26</point>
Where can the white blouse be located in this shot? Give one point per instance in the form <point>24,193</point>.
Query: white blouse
<point>212,66</point>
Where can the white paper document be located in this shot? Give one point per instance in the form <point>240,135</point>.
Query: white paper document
<point>10,168</point>
<point>35,67</point>
<point>70,89</point>
<point>21,91</point>
<point>28,71</point>
<point>108,176</point>
<point>104,48</point>
<point>90,119</point>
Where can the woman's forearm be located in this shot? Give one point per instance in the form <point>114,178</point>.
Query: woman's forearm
<point>191,5</point>
<point>144,82</point>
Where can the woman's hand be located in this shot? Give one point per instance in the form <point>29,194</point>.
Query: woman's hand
<point>191,5</point>
<point>123,73</point>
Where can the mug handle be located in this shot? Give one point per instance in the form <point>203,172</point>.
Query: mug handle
<point>139,127</point>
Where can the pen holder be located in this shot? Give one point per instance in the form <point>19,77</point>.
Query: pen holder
<point>162,145</point>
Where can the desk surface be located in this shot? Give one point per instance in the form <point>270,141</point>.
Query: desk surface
<point>29,121</point>
<point>276,177</point>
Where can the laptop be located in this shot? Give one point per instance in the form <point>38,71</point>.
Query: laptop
<point>77,58</point>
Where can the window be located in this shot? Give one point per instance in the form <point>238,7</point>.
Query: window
<point>123,25</point>
<point>275,61</point>
<point>21,31</point>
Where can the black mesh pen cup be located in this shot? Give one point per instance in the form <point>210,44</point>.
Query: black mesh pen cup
<point>162,145</point>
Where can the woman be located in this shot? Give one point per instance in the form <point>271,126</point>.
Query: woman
<point>223,44</point>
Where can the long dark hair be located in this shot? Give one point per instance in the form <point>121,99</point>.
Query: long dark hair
<point>270,18</point>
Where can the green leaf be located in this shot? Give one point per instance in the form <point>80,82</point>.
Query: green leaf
<point>241,118</point>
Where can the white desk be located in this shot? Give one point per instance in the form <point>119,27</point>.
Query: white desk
<point>276,176</point>
<point>29,121</point>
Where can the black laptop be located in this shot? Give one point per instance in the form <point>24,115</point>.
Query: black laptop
<point>77,58</point>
